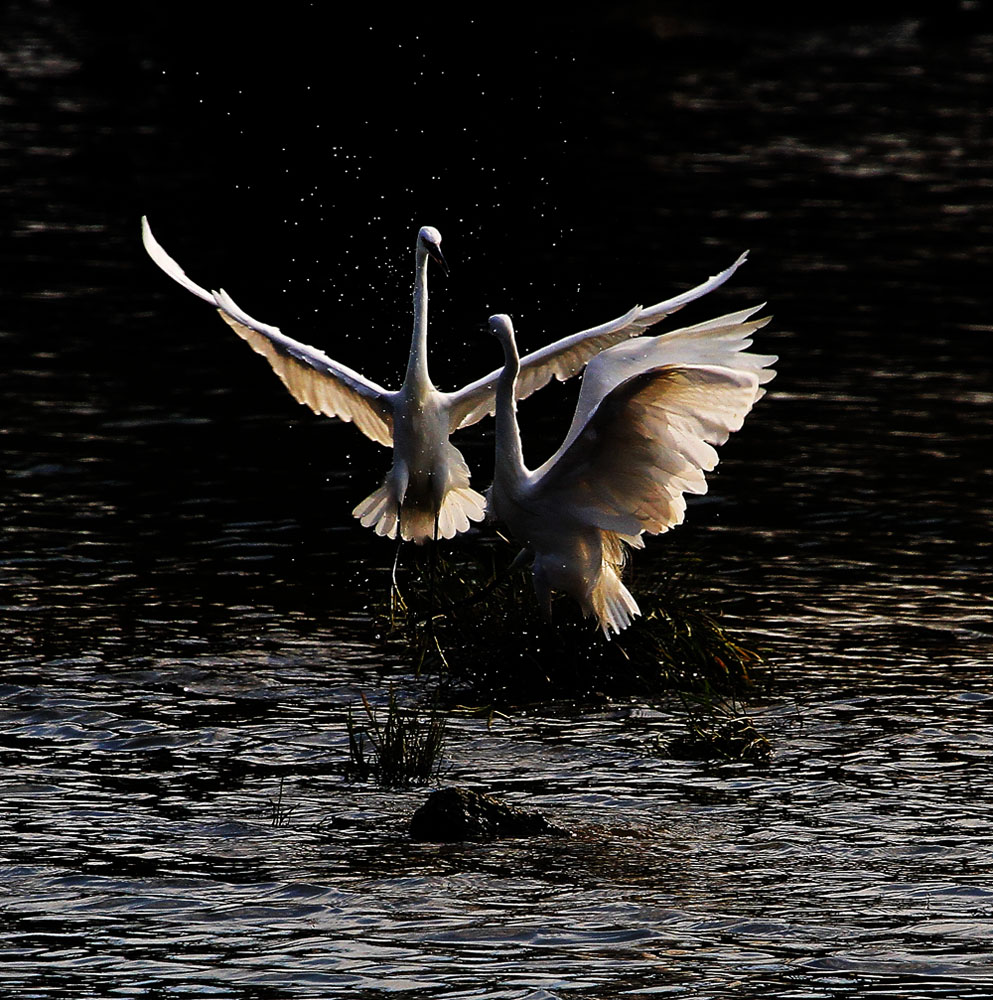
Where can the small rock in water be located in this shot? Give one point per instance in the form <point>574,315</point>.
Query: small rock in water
<point>462,814</point>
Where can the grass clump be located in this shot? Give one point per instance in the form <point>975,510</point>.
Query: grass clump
<point>716,731</point>
<point>402,750</point>
<point>279,811</point>
<point>499,647</point>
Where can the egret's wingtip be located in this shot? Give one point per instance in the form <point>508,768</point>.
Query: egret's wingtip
<point>149,241</point>
<point>224,302</point>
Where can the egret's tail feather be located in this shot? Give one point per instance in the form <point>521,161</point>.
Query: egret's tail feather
<point>417,525</point>
<point>613,604</point>
<point>380,512</point>
<point>460,506</point>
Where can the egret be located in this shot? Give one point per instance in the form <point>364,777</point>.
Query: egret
<point>426,493</point>
<point>649,412</point>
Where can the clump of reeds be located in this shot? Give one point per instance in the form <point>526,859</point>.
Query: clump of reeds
<point>685,636</point>
<point>716,731</point>
<point>402,750</point>
<point>500,647</point>
<point>277,811</point>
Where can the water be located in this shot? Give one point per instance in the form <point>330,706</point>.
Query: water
<point>188,605</point>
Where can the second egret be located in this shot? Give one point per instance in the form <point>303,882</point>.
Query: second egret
<point>649,412</point>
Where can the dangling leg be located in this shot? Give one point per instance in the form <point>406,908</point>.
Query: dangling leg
<point>431,565</point>
<point>397,603</point>
<point>432,558</point>
<point>543,592</point>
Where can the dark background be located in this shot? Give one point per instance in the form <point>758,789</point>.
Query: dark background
<point>577,161</point>
<point>189,612</point>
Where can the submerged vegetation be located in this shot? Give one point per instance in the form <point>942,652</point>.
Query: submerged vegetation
<point>716,731</point>
<point>277,810</point>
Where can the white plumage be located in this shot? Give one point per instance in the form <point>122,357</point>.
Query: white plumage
<point>426,492</point>
<point>649,415</point>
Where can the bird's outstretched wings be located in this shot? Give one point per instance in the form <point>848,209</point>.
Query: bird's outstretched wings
<point>649,441</point>
<point>722,342</point>
<point>566,357</point>
<point>309,374</point>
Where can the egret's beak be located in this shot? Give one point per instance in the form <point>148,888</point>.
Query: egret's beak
<point>437,255</point>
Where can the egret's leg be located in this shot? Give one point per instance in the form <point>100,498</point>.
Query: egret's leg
<point>543,592</point>
<point>433,557</point>
<point>397,603</point>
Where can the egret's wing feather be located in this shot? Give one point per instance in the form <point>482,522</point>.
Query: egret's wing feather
<point>566,357</point>
<point>649,441</point>
<point>309,374</point>
<point>312,377</point>
<point>168,265</point>
<point>722,342</point>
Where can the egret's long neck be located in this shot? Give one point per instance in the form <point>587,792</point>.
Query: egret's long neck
<point>509,454</point>
<point>417,366</point>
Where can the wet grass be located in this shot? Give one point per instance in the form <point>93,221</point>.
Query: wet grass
<point>716,731</point>
<point>497,648</point>
<point>401,750</point>
<point>277,810</point>
<point>476,632</point>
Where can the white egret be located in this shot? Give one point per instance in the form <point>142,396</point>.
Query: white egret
<point>426,493</point>
<point>648,414</point>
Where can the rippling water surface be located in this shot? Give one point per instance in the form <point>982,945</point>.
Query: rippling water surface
<point>188,608</point>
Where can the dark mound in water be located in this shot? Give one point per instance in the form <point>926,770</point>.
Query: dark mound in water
<point>452,814</point>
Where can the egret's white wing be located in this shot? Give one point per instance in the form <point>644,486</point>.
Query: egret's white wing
<point>721,342</point>
<point>649,441</point>
<point>566,357</point>
<point>310,375</point>
<point>158,254</point>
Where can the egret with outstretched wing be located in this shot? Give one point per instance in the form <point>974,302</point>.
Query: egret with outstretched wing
<point>426,493</point>
<point>649,414</point>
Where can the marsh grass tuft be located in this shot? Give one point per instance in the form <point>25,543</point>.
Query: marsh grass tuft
<point>500,648</point>
<point>277,810</point>
<point>402,750</point>
<point>716,731</point>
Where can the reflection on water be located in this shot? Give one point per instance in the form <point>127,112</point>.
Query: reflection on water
<point>141,829</point>
<point>187,618</point>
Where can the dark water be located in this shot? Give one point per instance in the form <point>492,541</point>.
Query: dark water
<point>187,603</point>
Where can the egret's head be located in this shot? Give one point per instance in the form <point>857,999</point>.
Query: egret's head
<point>429,241</point>
<point>429,236</point>
<point>501,327</point>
